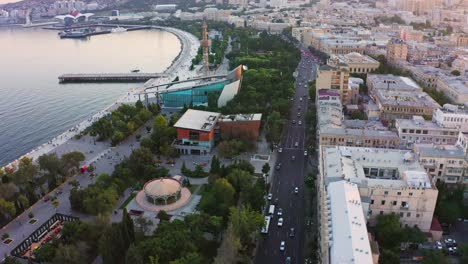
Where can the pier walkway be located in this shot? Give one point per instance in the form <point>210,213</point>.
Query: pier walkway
<point>109,77</point>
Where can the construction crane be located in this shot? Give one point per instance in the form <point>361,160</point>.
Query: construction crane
<point>205,43</point>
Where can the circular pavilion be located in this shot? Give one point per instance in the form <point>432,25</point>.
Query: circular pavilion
<point>162,191</point>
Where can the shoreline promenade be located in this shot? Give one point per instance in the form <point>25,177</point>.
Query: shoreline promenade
<point>179,67</point>
<point>100,154</point>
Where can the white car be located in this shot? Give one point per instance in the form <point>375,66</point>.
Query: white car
<point>300,122</point>
<point>280,212</point>
<point>438,245</point>
<point>282,245</point>
<point>296,190</point>
<point>305,152</point>
<point>270,196</point>
<point>280,150</point>
<point>280,221</point>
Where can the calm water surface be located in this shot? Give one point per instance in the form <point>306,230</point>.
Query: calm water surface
<point>34,107</point>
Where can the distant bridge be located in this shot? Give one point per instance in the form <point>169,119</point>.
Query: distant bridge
<point>109,77</point>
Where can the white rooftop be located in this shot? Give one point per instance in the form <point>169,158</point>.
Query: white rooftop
<point>198,120</point>
<point>355,164</point>
<point>349,241</point>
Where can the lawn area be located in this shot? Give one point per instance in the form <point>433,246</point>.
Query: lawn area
<point>128,200</point>
<point>194,188</point>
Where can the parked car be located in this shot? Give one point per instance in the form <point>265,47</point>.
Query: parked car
<point>438,245</point>
<point>270,196</point>
<point>296,190</point>
<point>280,212</point>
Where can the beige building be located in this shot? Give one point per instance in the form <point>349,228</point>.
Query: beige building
<point>389,182</point>
<point>357,63</point>
<point>417,130</point>
<point>403,105</point>
<point>399,97</point>
<point>455,88</point>
<point>462,41</point>
<point>329,77</point>
<point>333,130</point>
<point>452,116</point>
<point>443,162</point>
<point>397,49</point>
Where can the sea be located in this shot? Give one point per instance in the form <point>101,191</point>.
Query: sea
<point>34,107</point>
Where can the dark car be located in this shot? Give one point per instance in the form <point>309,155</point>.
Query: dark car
<point>278,166</point>
<point>292,232</point>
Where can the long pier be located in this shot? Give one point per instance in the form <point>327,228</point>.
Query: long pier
<point>109,77</point>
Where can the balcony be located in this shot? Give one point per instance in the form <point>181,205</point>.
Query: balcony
<point>404,207</point>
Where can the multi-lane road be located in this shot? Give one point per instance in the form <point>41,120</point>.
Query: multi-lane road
<point>291,175</point>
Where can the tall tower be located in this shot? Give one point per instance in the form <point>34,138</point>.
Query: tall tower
<point>205,42</point>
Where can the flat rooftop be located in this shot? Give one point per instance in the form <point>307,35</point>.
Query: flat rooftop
<point>355,57</point>
<point>400,168</point>
<point>404,98</point>
<point>419,123</point>
<point>240,117</point>
<point>440,151</point>
<point>392,82</point>
<point>197,120</point>
<point>349,241</point>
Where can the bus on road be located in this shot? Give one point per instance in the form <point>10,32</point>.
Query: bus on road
<point>271,211</point>
<point>266,225</point>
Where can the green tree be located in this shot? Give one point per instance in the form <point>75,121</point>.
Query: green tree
<point>246,223</point>
<point>388,230</point>
<point>266,168</point>
<point>230,246</point>
<point>240,179</point>
<point>46,253</point>
<point>71,162</point>
<point>455,73</point>
<point>388,256</point>
<point>7,208</point>
<point>70,254</point>
<point>163,216</point>
<point>215,165</point>
<point>434,257</point>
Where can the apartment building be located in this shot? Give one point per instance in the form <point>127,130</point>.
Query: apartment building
<point>389,182</point>
<point>329,77</point>
<point>397,49</point>
<point>343,46</point>
<point>411,35</point>
<point>452,116</point>
<point>443,162</point>
<point>462,41</point>
<point>404,105</point>
<point>456,88</point>
<point>345,238</point>
<point>357,63</point>
<point>417,130</point>
<point>333,130</point>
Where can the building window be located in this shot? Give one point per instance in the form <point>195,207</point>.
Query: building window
<point>410,194</point>
<point>386,192</point>
<point>194,135</point>
<point>408,214</point>
<point>372,202</point>
<point>382,202</point>
<point>370,212</point>
<point>401,214</point>
<point>398,193</point>
<point>394,203</point>
<point>417,215</point>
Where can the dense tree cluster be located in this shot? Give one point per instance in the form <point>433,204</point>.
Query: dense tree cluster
<point>390,235</point>
<point>22,186</point>
<point>122,122</point>
<point>450,204</point>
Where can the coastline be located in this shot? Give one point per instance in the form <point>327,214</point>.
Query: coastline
<point>189,48</point>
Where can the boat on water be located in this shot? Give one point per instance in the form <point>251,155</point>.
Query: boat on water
<point>135,70</point>
<point>73,34</point>
<point>118,30</point>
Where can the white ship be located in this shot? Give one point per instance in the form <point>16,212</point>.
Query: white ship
<point>118,30</point>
